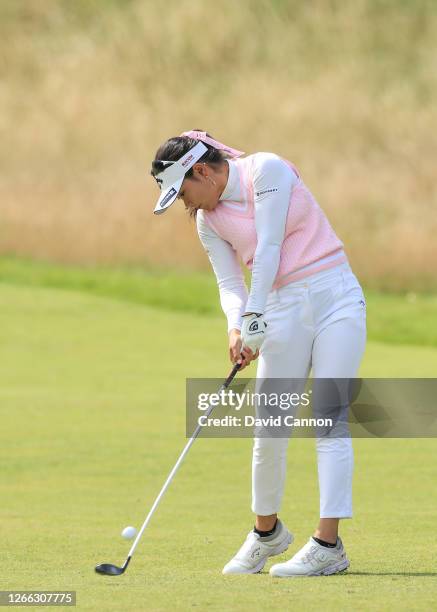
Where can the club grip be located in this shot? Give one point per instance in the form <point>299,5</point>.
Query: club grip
<point>232,375</point>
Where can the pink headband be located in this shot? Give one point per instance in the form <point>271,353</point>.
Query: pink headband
<point>214,143</point>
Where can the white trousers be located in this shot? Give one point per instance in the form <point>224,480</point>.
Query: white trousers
<point>317,323</point>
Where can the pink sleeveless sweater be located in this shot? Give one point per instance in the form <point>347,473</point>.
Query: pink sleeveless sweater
<point>309,237</point>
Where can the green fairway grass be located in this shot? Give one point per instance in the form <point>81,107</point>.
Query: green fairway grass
<point>395,318</point>
<point>92,420</point>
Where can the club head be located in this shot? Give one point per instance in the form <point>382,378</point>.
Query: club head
<point>109,570</point>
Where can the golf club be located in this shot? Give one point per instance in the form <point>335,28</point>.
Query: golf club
<point>109,569</point>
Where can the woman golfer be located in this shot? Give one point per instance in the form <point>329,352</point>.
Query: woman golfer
<point>305,310</point>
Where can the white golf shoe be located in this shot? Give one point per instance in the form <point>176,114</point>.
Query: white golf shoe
<point>313,560</point>
<point>251,557</point>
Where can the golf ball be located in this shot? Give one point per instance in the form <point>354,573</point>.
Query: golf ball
<point>129,532</point>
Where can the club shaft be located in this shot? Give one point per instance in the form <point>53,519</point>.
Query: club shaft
<point>190,442</point>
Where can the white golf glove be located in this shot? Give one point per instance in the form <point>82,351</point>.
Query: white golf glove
<point>253,331</point>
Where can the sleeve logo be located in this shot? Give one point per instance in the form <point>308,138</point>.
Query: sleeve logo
<point>260,193</point>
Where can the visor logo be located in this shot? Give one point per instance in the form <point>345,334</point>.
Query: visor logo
<point>187,161</point>
<point>168,197</point>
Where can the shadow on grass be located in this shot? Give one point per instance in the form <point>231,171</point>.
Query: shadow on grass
<point>390,574</point>
<point>348,573</point>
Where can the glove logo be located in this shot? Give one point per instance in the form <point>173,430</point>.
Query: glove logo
<point>253,327</point>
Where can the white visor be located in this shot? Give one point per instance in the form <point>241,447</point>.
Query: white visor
<point>172,177</point>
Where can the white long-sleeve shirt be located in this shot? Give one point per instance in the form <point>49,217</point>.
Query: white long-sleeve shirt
<point>273,181</point>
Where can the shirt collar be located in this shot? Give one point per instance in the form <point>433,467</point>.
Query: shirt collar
<point>232,189</point>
